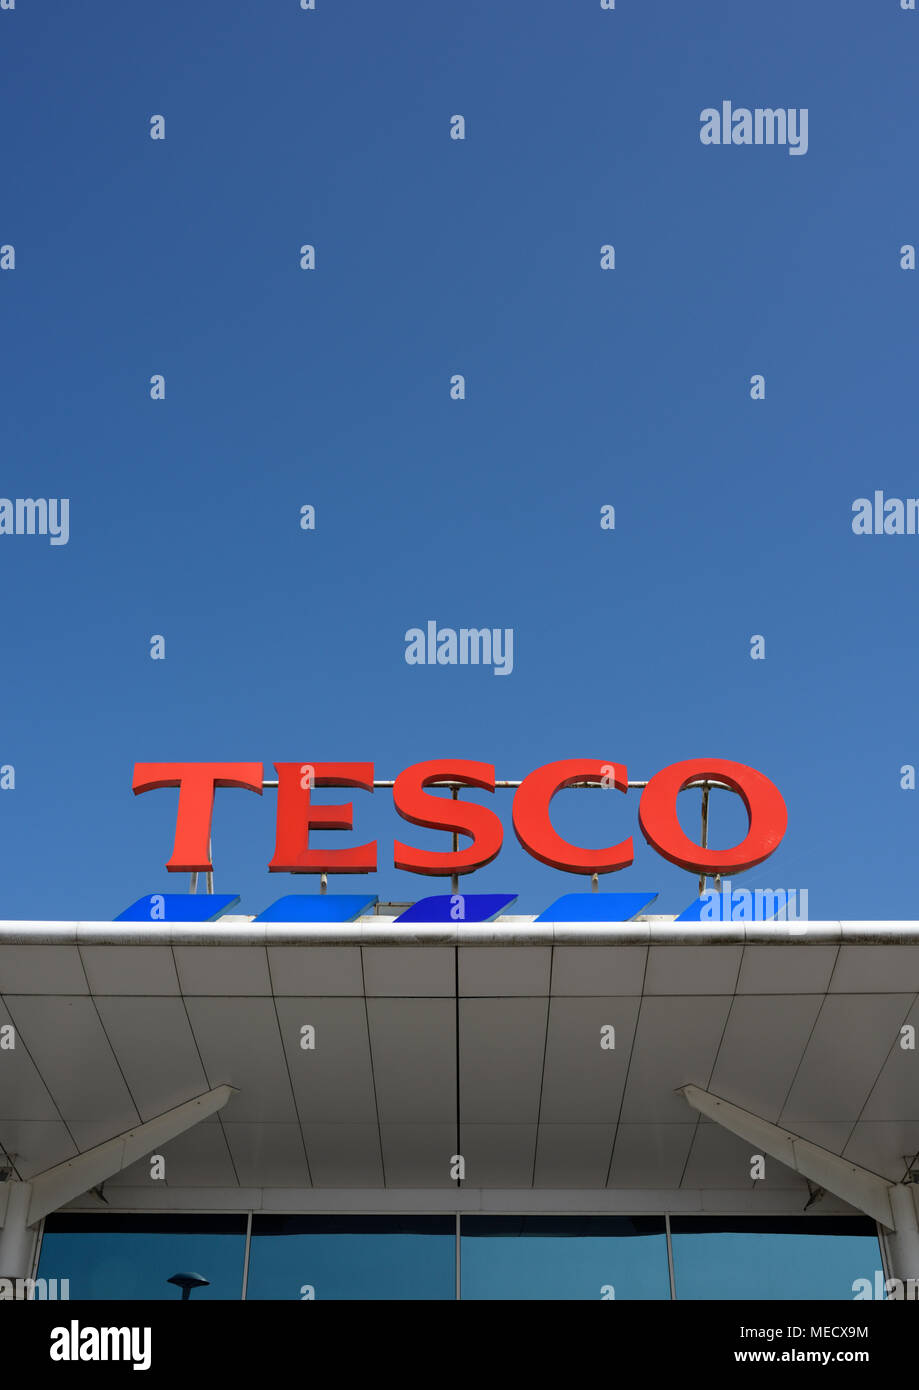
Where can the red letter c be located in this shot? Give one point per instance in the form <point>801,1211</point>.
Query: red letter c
<point>534,829</point>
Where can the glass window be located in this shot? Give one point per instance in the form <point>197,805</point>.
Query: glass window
<point>118,1257</point>
<point>563,1257</point>
<point>791,1257</point>
<point>345,1257</point>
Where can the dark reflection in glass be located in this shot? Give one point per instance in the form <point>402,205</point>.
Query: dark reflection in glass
<point>348,1257</point>
<point>564,1257</point>
<point>779,1257</point>
<point>127,1257</point>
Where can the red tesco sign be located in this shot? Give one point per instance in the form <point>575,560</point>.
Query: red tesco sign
<point>297,815</point>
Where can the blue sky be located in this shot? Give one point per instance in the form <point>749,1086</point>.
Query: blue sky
<point>331,387</point>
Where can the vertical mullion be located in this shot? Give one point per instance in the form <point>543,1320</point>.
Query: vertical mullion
<point>459,1292</point>
<point>245,1288</point>
<point>36,1250</point>
<point>670,1255</point>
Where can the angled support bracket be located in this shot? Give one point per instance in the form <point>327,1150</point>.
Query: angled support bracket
<point>867,1191</point>
<point>25,1203</point>
<point>890,1203</point>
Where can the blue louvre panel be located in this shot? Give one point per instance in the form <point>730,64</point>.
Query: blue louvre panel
<point>318,907</point>
<point>596,907</point>
<point>693,913</point>
<point>458,907</point>
<point>179,907</point>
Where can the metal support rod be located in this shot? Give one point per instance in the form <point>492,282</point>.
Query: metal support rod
<point>246,1256</point>
<point>454,878</point>
<point>209,876</point>
<point>705,792</point>
<point>589,786</point>
<point>670,1254</point>
<point>193,883</point>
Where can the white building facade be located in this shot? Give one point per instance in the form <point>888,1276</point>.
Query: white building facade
<point>648,1109</point>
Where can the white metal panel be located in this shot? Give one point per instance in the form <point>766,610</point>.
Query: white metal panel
<point>315,970</point>
<point>781,1179</point>
<point>413,1045</point>
<point>876,970</point>
<point>197,1158</point>
<point>650,1155</point>
<point>583,1081</point>
<point>333,1082</point>
<point>268,1155</point>
<point>344,1155</point>
<point>763,1043</point>
<point>156,1050</point>
<point>499,1155</point>
<point>692,969</point>
<point>885,1148</point>
<point>42,970</point>
<point>783,969</point>
<point>223,971</point>
<point>504,970</point>
<point>607,970</point>
<point>573,1155</point>
<point>676,1042</point>
<point>23,1093</point>
<point>850,1043</point>
<point>502,1044</point>
<point>130,969</point>
<point>35,1145</point>
<point>722,1159</point>
<point>240,1045</point>
<point>68,1045</point>
<point>895,1093</point>
<point>418,1155</point>
<point>420,971</point>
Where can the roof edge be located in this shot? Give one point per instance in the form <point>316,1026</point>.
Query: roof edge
<point>368,933</point>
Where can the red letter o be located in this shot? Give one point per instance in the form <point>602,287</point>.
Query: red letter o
<point>657,816</point>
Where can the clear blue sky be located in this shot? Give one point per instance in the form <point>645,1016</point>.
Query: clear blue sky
<point>331,387</point>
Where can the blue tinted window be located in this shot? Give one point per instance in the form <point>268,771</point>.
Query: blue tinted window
<point>127,1257</point>
<point>551,1257</point>
<point>795,1258</point>
<point>340,1257</point>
